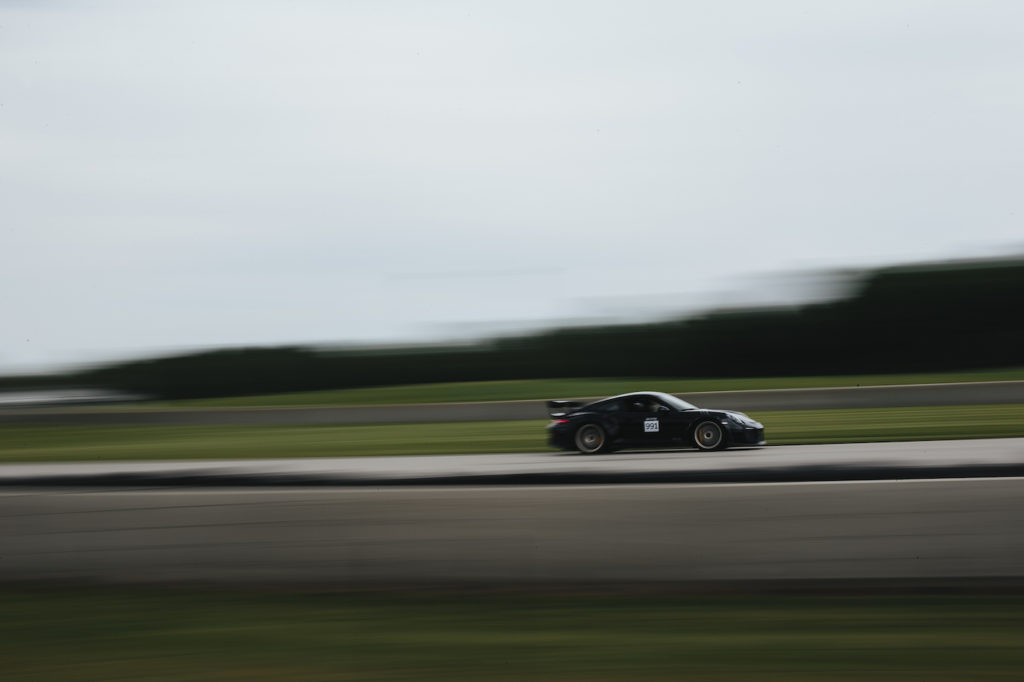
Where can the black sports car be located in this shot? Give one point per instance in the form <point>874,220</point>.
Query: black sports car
<point>646,420</point>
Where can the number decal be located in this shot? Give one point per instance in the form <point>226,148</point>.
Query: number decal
<point>651,425</point>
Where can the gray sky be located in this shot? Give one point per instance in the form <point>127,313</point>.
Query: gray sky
<point>180,175</point>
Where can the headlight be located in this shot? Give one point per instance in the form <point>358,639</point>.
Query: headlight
<point>743,419</point>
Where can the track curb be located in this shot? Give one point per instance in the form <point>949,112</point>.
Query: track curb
<point>794,474</point>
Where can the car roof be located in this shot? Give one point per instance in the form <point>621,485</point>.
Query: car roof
<point>664,397</point>
<point>655,394</point>
<point>634,394</point>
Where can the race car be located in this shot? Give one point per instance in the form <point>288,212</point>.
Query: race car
<point>647,420</point>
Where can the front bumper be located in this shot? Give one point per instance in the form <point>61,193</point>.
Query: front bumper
<point>745,435</point>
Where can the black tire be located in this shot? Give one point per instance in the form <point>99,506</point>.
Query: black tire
<point>590,439</point>
<point>709,435</point>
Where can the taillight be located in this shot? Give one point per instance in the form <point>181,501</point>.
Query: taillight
<point>560,421</point>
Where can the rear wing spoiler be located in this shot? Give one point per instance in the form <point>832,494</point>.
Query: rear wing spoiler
<point>560,408</point>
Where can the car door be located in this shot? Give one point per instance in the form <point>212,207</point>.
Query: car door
<point>646,422</point>
<point>676,424</point>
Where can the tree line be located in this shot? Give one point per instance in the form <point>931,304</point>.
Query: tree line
<point>903,319</point>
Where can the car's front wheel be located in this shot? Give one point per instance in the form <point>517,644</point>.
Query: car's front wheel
<point>591,439</point>
<point>709,435</point>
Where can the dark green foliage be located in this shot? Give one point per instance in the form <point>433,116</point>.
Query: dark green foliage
<point>912,319</point>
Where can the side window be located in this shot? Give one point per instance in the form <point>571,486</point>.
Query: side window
<point>639,404</point>
<point>610,406</point>
<point>646,404</point>
<point>658,406</point>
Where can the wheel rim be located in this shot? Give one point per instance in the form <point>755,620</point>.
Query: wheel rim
<point>709,435</point>
<point>589,439</point>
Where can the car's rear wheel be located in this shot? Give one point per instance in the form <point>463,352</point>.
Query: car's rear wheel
<point>709,436</point>
<point>591,439</point>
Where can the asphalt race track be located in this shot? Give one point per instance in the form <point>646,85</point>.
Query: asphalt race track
<point>921,529</point>
<point>840,462</point>
<point>356,521</point>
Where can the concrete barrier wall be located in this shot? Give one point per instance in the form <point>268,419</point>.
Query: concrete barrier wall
<point>917,395</point>
<point>914,395</point>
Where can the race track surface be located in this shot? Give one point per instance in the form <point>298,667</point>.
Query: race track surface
<point>532,534</point>
<point>851,461</point>
<point>387,520</point>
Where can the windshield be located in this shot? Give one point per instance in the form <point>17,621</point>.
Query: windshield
<point>675,402</point>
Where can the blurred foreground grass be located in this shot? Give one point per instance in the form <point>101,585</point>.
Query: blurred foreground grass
<point>176,634</point>
<point>541,389</point>
<point>70,443</point>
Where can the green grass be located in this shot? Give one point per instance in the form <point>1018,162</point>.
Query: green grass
<point>69,443</point>
<point>79,443</point>
<point>799,427</point>
<point>538,389</point>
<point>150,635</point>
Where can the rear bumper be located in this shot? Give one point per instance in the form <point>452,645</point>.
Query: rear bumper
<point>560,437</point>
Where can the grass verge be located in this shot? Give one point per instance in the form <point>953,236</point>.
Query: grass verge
<point>153,635</point>
<point>80,443</point>
<point>540,389</point>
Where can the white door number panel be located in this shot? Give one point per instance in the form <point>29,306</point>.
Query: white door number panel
<point>651,425</point>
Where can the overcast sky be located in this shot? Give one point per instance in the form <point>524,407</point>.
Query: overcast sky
<point>178,175</point>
